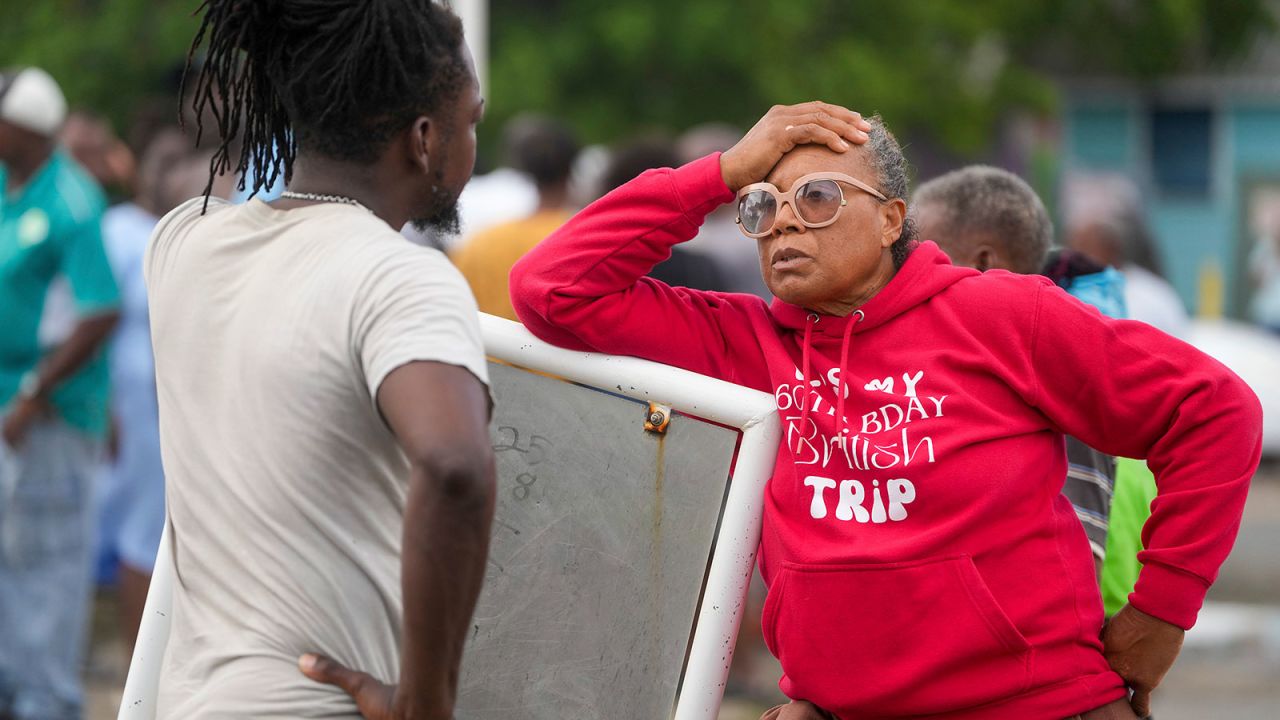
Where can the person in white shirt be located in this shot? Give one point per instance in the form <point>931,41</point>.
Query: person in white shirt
<point>322,384</point>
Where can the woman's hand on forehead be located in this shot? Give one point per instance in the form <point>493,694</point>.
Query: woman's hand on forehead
<point>782,129</point>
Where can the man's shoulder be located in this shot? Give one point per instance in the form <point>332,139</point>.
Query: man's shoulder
<point>390,260</point>
<point>187,214</point>
<point>175,226</point>
<point>76,199</point>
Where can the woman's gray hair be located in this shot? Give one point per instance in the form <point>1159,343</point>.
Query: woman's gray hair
<point>892,178</point>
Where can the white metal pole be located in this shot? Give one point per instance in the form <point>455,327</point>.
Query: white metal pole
<point>724,600</point>
<point>142,685</point>
<point>475,23</point>
<point>689,392</point>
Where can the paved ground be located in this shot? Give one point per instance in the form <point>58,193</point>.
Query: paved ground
<point>1230,667</point>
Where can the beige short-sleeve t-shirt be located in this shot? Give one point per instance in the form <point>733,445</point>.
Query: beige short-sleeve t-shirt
<point>272,331</point>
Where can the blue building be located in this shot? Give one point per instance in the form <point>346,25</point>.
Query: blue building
<point>1205,149</point>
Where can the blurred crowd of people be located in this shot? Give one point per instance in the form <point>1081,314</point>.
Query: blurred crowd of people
<point>81,481</point>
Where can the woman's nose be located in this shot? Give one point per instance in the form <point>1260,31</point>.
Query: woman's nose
<point>787,221</point>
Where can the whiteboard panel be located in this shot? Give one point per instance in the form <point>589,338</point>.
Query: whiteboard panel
<point>601,542</point>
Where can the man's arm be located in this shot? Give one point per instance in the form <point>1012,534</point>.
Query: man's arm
<point>87,337</point>
<point>83,262</point>
<point>439,414</point>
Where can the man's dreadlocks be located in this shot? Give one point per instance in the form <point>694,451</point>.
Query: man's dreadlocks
<point>333,77</point>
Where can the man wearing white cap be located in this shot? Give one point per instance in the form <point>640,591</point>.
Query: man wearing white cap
<point>53,399</point>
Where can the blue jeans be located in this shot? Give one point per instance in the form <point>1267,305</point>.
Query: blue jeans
<point>46,524</point>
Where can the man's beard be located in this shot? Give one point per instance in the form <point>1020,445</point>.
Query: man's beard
<point>441,218</point>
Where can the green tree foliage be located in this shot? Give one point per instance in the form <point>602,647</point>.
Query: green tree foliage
<point>949,68</point>
<point>110,56</point>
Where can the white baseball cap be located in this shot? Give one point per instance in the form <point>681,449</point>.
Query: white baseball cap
<point>31,99</point>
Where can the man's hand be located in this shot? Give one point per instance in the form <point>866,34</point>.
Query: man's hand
<point>89,335</point>
<point>19,420</point>
<point>1141,649</point>
<point>375,700</point>
<point>797,710</point>
<point>783,128</point>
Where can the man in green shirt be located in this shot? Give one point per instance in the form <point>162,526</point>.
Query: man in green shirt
<point>58,304</point>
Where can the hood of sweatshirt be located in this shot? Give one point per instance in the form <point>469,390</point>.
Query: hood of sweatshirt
<point>926,273</point>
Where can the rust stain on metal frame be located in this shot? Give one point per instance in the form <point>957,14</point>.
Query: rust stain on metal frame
<point>657,418</point>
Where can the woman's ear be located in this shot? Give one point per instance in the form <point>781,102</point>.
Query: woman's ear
<point>892,214</point>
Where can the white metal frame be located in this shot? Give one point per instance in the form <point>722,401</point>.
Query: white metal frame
<point>723,601</point>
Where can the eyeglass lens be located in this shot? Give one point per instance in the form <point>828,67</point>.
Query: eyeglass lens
<point>817,201</point>
<point>757,209</point>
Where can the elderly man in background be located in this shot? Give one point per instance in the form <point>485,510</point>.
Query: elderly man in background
<point>987,218</point>
<point>53,399</point>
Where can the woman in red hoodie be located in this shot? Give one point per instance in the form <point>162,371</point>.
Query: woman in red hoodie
<point>920,556</point>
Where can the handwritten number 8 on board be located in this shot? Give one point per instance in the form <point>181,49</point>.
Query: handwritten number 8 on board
<point>524,481</point>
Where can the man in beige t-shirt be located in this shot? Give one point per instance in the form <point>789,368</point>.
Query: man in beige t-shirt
<point>322,385</point>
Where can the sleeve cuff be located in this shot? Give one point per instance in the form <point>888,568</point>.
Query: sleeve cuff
<point>479,370</point>
<point>1169,594</point>
<point>700,187</point>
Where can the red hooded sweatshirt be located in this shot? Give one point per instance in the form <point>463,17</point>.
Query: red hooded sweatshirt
<point>920,556</point>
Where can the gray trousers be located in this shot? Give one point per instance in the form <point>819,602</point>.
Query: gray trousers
<point>46,524</point>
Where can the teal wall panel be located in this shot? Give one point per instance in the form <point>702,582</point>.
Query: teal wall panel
<point>1100,138</point>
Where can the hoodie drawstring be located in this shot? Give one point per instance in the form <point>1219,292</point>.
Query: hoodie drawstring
<point>842,389</point>
<point>804,371</point>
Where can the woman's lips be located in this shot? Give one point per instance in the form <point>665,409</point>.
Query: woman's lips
<point>788,259</point>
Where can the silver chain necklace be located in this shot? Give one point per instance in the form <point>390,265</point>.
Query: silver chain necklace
<point>316,197</point>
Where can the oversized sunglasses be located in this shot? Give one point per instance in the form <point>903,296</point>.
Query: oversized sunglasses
<point>815,199</point>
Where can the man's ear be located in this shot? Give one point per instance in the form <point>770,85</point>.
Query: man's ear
<point>421,143</point>
<point>987,256</point>
<point>892,214</point>
<point>982,258</point>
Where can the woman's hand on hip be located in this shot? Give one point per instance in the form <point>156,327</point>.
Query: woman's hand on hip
<point>783,128</point>
<point>797,710</point>
<point>1141,649</point>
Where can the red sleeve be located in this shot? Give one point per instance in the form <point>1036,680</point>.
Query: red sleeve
<point>1128,389</point>
<point>584,287</point>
